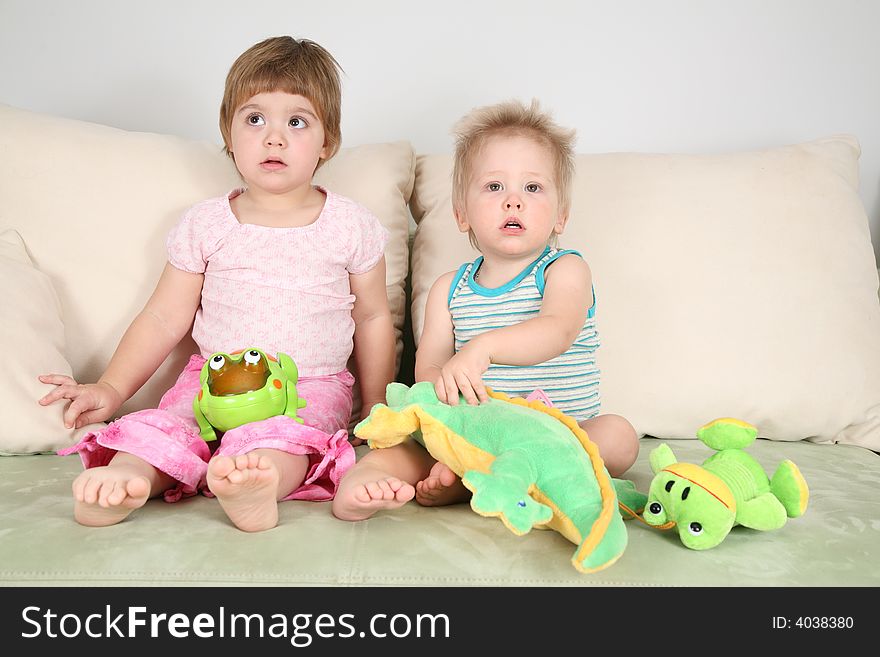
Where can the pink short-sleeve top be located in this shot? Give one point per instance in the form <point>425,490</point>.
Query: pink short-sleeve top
<point>278,289</point>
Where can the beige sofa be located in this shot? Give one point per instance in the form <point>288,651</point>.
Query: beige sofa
<point>740,284</point>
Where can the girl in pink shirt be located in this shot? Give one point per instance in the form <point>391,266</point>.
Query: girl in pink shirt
<point>282,265</point>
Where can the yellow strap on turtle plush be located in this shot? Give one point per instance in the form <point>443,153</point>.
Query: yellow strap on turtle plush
<point>709,482</point>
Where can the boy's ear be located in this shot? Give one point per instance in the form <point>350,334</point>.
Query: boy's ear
<point>561,220</point>
<point>461,220</point>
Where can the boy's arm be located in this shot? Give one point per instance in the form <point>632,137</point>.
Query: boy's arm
<point>567,298</point>
<point>437,344</point>
<point>164,320</point>
<point>374,348</point>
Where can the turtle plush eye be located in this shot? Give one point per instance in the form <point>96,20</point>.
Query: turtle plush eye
<point>217,362</point>
<point>695,528</point>
<point>655,508</point>
<point>252,357</point>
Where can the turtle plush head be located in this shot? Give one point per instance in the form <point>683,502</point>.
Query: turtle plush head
<point>696,502</point>
<point>704,502</point>
<point>245,386</point>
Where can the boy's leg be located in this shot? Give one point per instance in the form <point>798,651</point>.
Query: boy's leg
<point>616,439</point>
<point>248,486</point>
<point>382,479</point>
<point>441,487</point>
<point>105,495</point>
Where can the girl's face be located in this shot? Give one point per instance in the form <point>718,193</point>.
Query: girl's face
<point>277,141</point>
<point>511,202</point>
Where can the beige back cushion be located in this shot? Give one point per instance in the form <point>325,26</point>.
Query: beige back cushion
<point>94,204</point>
<point>740,285</point>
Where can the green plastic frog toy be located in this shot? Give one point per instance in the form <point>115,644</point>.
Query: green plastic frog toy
<point>245,386</point>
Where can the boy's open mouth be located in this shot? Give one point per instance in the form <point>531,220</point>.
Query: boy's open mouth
<point>512,225</point>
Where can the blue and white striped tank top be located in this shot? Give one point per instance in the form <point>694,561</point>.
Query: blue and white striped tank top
<point>571,380</point>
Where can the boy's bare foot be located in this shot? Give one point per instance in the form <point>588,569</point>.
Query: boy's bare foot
<point>358,500</point>
<point>247,488</point>
<point>106,495</point>
<point>442,486</point>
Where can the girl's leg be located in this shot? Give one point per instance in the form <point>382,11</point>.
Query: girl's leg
<point>616,439</point>
<point>248,486</point>
<point>105,495</point>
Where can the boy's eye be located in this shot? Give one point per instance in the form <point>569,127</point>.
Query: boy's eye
<point>494,187</point>
<point>297,122</point>
<point>255,119</point>
<point>533,187</point>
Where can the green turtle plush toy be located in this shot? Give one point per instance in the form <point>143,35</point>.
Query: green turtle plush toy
<point>729,488</point>
<point>245,386</point>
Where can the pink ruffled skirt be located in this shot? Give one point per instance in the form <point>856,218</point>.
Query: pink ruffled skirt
<point>168,437</point>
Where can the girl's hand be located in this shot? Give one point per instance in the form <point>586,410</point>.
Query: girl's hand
<point>464,372</point>
<point>89,402</point>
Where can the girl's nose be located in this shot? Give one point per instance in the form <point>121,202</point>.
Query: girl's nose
<point>275,138</point>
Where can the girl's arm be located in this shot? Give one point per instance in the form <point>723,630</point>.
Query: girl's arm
<point>164,320</point>
<point>567,298</point>
<point>374,347</point>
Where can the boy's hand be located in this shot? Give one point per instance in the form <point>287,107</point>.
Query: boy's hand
<point>464,372</point>
<point>89,402</point>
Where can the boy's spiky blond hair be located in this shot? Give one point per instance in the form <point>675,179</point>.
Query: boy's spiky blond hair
<point>511,118</point>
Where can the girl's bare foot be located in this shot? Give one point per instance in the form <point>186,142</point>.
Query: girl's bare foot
<point>441,487</point>
<point>247,488</point>
<point>106,495</point>
<point>360,499</point>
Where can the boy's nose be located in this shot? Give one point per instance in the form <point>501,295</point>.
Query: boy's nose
<point>513,202</point>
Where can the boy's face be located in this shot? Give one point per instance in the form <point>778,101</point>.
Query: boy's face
<point>511,202</point>
<point>277,141</point>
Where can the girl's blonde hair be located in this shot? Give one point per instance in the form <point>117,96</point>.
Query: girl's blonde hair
<point>511,119</point>
<point>294,66</point>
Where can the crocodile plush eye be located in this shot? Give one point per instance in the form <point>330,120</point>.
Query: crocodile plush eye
<point>655,508</point>
<point>695,528</point>
<point>217,362</point>
<point>252,357</point>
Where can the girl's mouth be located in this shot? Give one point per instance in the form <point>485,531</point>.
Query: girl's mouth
<point>272,164</point>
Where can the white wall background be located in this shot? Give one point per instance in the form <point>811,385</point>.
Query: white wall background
<point>663,75</point>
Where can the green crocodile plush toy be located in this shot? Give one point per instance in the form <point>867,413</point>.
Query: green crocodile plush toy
<point>730,488</point>
<point>525,462</point>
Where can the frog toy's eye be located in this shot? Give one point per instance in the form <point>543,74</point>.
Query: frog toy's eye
<point>656,508</point>
<point>695,528</point>
<point>252,357</point>
<point>217,362</point>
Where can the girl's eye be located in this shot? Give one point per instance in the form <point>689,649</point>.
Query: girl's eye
<point>255,119</point>
<point>494,187</point>
<point>297,122</point>
<point>533,187</point>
